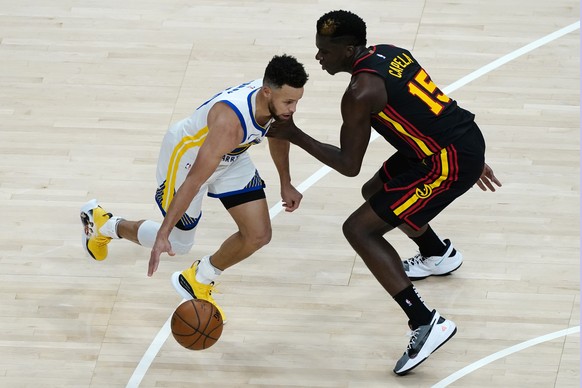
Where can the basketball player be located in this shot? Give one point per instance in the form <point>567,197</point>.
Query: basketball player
<point>440,155</point>
<point>206,153</point>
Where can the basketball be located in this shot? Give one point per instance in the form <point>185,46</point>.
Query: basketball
<point>196,324</point>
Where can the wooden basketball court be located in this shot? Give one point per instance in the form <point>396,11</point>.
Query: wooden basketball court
<point>87,90</point>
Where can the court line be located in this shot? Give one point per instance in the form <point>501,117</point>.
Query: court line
<point>504,353</point>
<point>164,332</point>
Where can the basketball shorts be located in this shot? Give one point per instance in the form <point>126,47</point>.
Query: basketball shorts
<point>415,191</point>
<point>234,182</point>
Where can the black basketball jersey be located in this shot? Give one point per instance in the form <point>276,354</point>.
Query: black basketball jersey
<point>418,120</point>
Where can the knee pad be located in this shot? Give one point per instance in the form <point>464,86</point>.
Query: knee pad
<point>182,240</point>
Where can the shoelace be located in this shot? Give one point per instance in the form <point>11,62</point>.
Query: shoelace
<point>417,259</point>
<point>412,334</point>
<point>214,288</point>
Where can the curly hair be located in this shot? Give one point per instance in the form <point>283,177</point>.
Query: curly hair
<point>285,70</point>
<point>343,25</point>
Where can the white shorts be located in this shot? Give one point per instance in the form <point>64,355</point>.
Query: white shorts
<point>234,175</point>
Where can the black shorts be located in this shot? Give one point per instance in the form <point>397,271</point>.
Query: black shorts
<point>415,191</point>
<point>253,191</point>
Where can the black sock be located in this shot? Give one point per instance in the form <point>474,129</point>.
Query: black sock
<point>429,243</point>
<point>414,307</point>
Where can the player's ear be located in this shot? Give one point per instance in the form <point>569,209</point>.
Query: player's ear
<point>350,50</point>
<point>267,91</point>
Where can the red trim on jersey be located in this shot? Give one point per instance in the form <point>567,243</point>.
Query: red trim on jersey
<point>435,172</point>
<point>429,141</point>
<point>386,172</point>
<point>405,139</point>
<point>370,52</point>
<point>452,161</point>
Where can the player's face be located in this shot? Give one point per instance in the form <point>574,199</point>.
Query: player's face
<point>283,102</point>
<point>331,56</point>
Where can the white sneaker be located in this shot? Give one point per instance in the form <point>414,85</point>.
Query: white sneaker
<point>424,340</point>
<point>420,267</point>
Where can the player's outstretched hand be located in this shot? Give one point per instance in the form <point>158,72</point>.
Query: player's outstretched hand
<point>161,245</point>
<point>487,179</point>
<point>282,129</point>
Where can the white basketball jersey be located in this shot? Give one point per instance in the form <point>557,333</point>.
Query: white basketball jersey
<point>241,99</point>
<point>184,138</point>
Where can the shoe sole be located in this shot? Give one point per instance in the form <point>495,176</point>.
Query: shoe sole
<point>426,358</point>
<point>84,240</point>
<point>440,274</point>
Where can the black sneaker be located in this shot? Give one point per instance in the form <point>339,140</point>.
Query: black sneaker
<point>423,341</point>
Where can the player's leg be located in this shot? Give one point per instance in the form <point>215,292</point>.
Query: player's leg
<point>459,167</point>
<point>426,239</point>
<point>250,212</point>
<point>101,227</point>
<point>388,208</point>
<point>430,245</point>
<point>129,230</point>
<point>254,231</point>
<point>365,230</point>
<point>241,190</point>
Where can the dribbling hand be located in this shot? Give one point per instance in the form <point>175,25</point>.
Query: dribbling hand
<point>161,245</point>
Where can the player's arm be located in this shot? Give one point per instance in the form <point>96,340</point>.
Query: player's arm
<point>279,150</point>
<point>365,95</point>
<point>224,134</point>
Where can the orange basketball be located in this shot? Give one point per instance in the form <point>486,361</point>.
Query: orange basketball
<point>196,324</point>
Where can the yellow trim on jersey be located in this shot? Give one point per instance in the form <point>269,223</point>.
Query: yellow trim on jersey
<point>180,149</point>
<point>428,188</point>
<point>401,129</point>
<point>240,149</point>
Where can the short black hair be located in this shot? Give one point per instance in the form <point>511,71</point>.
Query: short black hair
<point>343,25</point>
<point>285,70</point>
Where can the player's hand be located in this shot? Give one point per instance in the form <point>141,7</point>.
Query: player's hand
<point>161,245</point>
<point>291,198</point>
<point>487,179</point>
<point>282,129</point>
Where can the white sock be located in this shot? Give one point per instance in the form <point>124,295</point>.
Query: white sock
<point>109,229</point>
<point>206,272</point>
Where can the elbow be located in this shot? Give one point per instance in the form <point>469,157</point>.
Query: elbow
<point>350,170</point>
<point>349,165</point>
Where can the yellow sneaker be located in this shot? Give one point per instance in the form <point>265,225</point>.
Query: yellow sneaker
<point>93,218</point>
<point>188,287</point>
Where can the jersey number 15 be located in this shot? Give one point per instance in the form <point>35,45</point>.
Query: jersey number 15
<point>422,87</point>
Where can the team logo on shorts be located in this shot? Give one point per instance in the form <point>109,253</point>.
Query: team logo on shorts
<point>424,192</point>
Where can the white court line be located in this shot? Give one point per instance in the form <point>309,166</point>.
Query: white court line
<point>504,353</point>
<point>164,332</point>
